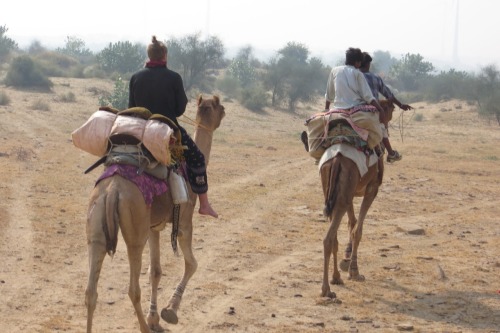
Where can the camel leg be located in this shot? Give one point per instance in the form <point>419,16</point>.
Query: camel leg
<point>97,252</point>
<point>330,246</point>
<point>344,264</point>
<point>357,232</point>
<point>351,224</point>
<point>169,313</point>
<point>336,274</point>
<point>134,291</point>
<point>153,317</point>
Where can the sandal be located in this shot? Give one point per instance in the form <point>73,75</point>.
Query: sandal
<point>394,157</point>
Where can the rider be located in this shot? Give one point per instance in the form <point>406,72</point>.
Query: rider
<point>377,86</point>
<point>347,88</point>
<point>161,91</point>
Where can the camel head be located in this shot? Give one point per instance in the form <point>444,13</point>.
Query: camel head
<point>210,112</point>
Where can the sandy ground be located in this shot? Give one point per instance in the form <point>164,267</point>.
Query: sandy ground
<point>260,263</point>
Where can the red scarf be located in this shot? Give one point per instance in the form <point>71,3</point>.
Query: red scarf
<point>156,63</point>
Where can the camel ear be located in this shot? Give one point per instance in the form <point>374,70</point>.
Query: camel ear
<point>216,100</point>
<point>200,98</point>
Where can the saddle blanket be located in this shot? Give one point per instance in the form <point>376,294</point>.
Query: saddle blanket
<point>362,161</point>
<point>148,185</point>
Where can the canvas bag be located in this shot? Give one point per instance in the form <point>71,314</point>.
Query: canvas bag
<point>369,121</point>
<point>317,129</point>
<point>92,136</point>
<point>157,138</point>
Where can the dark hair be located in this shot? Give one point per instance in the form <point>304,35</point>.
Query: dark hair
<point>353,55</point>
<point>366,59</point>
<point>156,50</point>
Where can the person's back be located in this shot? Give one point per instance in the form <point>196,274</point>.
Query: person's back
<point>161,90</point>
<point>347,88</point>
<point>158,89</point>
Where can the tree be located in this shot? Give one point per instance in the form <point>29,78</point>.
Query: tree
<point>36,47</point>
<point>488,92</point>
<point>7,44</point>
<point>192,57</point>
<point>446,85</point>
<point>75,47</point>
<point>382,62</point>
<point>292,77</point>
<point>122,57</point>
<point>241,67</point>
<point>410,70</point>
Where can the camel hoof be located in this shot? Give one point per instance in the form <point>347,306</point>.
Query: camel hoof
<point>169,316</point>
<point>337,281</point>
<point>344,264</point>
<point>157,329</point>
<point>330,294</point>
<point>153,323</point>
<point>357,278</point>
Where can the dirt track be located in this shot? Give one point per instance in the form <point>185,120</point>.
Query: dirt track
<point>263,256</point>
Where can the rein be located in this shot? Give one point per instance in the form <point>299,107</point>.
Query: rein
<point>194,123</point>
<point>401,123</point>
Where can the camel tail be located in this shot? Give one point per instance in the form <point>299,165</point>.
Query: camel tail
<point>333,187</point>
<point>111,224</point>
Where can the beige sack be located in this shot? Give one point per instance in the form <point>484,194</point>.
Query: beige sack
<point>92,137</point>
<point>317,128</point>
<point>370,122</point>
<point>128,125</point>
<point>156,139</point>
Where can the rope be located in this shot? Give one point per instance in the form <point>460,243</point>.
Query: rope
<point>194,123</point>
<point>401,123</point>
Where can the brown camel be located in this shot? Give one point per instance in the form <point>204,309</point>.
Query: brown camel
<point>342,182</point>
<point>116,203</point>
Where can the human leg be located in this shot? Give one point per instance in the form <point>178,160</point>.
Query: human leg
<point>197,173</point>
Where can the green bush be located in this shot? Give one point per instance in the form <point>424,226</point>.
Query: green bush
<point>254,97</point>
<point>25,73</point>
<point>119,98</point>
<point>122,57</point>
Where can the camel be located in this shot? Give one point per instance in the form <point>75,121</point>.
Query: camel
<point>117,204</point>
<point>341,182</point>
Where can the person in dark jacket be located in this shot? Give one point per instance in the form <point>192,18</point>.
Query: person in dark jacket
<point>161,91</point>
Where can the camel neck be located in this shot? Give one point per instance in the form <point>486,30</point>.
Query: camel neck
<point>203,139</point>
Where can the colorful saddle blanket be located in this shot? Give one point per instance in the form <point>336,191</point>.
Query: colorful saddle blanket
<point>147,184</point>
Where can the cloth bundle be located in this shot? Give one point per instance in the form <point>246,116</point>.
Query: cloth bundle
<point>156,135</point>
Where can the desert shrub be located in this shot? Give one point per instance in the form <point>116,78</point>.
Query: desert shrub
<point>4,98</point>
<point>68,97</point>
<point>254,97</point>
<point>23,154</point>
<point>94,71</point>
<point>229,85</point>
<point>25,73</point>
<point>40,105</point>
<point>118,99</point>
<point>419,117</point>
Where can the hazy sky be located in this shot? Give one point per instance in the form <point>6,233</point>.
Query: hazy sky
<point>327,28</point>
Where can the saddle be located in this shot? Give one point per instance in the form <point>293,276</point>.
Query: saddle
<point>330,128</point>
